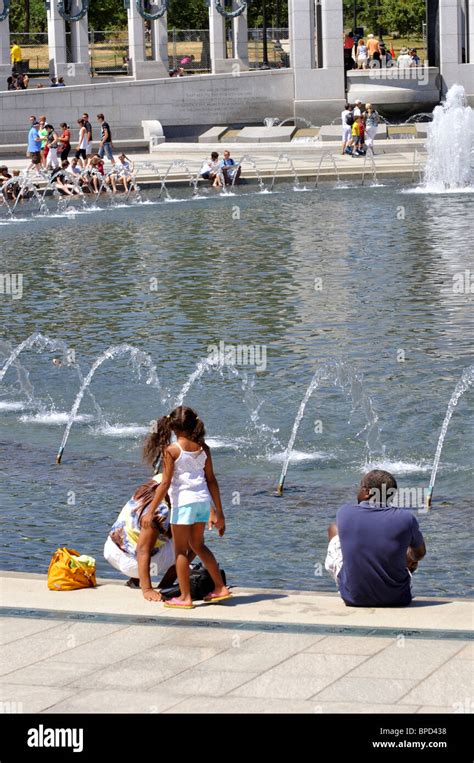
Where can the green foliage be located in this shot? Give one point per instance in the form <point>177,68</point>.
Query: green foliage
<point>403,16</point>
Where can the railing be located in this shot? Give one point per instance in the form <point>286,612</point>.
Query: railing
<point>187,48</point>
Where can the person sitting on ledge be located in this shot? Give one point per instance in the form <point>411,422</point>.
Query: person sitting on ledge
<point>230,169</point>
<point>374,547</point>
<point>211,170</point>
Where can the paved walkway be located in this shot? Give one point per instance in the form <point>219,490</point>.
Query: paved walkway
<point>109,650</point>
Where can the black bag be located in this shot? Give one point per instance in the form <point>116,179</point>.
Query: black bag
<point>349,120</point>
<point>201,583</point>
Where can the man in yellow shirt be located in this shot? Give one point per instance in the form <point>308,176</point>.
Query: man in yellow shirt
<point>15,55</point>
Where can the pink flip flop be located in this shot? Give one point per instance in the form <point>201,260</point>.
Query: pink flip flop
<point>177,604</point>
<point>213,599</point>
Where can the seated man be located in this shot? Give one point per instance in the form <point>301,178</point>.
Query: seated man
<point>230,170</point>
<point>374,547</point>
<point>123,544</point>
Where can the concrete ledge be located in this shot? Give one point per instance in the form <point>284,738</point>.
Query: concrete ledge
<point>334,132</point>
<point>253,606</point>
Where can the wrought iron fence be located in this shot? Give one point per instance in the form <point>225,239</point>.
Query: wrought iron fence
<point>187,48</point>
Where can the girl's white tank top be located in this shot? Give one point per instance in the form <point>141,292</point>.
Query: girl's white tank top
<point>188,484</point>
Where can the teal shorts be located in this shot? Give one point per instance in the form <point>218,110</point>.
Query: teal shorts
<point>191,513</point>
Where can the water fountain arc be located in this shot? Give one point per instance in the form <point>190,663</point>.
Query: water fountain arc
<point>466,381</point>
<point>341,375</point>
<point>139,359</point>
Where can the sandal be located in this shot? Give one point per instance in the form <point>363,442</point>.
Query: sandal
<point>177,604</point>
<point>212,598</point>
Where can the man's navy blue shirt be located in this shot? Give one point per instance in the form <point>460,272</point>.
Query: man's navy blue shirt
<point>374,542</point>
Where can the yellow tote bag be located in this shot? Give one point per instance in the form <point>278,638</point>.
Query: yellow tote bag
<point>67,573</point>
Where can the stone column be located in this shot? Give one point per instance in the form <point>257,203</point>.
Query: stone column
<point>140,67</point>
<point>136,41</point>
<point>333,52</point>
<point>449,36</point>
<point>471,31</point>
<point>217,41</point>
<point>56,42</point>
<point>319,84</point>
<point>79,69</point>
<point>5,63</point>
<point>159,45</point>
<point>240,34</point>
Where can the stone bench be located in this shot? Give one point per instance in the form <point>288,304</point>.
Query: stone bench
<point>213,135</point>
<point>259,134</point>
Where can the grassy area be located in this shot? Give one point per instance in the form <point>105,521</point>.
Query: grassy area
<point>111,52</point>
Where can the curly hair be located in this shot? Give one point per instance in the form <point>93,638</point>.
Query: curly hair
<point>182,420</point>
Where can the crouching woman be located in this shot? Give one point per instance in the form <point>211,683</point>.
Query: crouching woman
<point>140,553</point>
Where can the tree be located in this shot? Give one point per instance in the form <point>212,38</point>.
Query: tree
<point>404,16</point>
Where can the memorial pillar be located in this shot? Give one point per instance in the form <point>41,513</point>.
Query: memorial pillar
<point>79,68</point>
<point>159,44</point>
<point>56,41</point>
<point>136,41</point>
<point>317,58</point>
<point>240,35</point>
<point>217,40</point>
<point>449,43</point>
<point>470,31</point>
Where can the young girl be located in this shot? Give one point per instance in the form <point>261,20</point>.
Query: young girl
<point>189,478</point>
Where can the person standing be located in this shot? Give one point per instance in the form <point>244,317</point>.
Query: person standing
<point>81,148</point>
<point>347,121</point>
<point>348,51</point>
<point>371,124</point>
<point>88,127</point>
<point>189,477</point>
<point>44,139</point>
<point>52,140</point>
<point>64,141</point>
<point>105,144</point>
<point>362,55</point>
<point>34,141</point>
<point>15,56</point>
<point>373,49</point>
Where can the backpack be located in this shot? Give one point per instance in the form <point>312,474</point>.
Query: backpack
<point>201,583</point>
<point>349,120</point>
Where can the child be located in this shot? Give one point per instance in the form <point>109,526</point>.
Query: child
<point>188,475</point>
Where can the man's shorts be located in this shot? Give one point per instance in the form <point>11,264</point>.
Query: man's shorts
<point>333,563</point>
<point>191,513</point>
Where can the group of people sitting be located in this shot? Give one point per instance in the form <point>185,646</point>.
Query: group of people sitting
<point>359,128</point>
<point>221,172</point>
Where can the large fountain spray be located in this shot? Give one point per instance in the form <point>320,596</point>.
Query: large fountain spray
<point>343,376</point>
<point>450,145</point>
